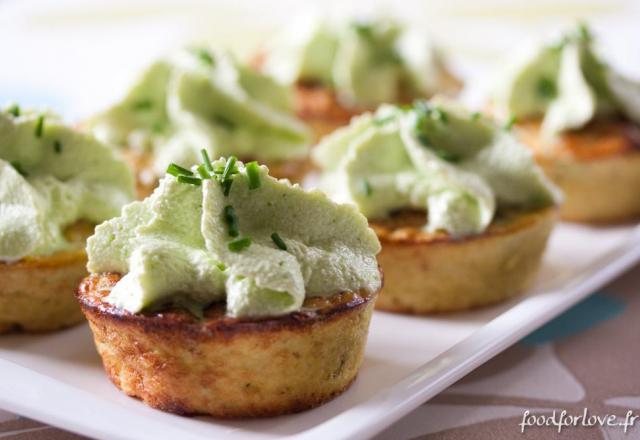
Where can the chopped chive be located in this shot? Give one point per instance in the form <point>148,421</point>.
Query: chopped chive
<point>143,104</point>
<point>584,34</point>
<point>253,173</point>
<point>546,88</point>
<point>14,110</point>
<point>189,179</point>
<point>226,187</point>
<point>365,186</point>
<point>19,168</point>
<point>177,170</point>
<point>204,174</point>
<point>204,55</point>
<point>424,140</point>
<point>206,161</point>
<point>221,267</point>
<point>380,121</point>
<point>232,221</point>
<point>225,122</point>
<point>228,168</point>
<point>447,155</point>
<point>239,244</point>
<point>57,146</point>
<point>157,127</point>
<point>39,126</point>
<point>279,241</point>
<point>475,116</point>
<point>439,114</point>
<point>509,124</point>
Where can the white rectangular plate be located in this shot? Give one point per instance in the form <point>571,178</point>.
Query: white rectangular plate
<point>58,378</point>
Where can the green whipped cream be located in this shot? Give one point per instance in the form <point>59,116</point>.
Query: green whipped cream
<point>263,247</point>
<point>568,85</point>
<point>435,156</point>
<point>367,63</point>
<point>52,176</point>
<point>200,98</point>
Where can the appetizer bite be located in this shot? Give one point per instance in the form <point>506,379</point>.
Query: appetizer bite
<point>55,185</point>
<point>230,293</point>
<point>201,98</point>
<point>340,69</point>
<point>488,208</point>
<point>582,120</point>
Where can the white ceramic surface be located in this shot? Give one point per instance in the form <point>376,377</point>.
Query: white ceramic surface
<point>58,378</point>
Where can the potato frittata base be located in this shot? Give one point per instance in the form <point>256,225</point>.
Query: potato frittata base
<point>431,272</point>
<point>37,293</point>
<point>597,168</point>
<point>228,367</point>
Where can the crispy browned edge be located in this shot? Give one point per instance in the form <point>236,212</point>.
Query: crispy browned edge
<point>411,236</point>
<point>211,326</point>
<point>598,142</point>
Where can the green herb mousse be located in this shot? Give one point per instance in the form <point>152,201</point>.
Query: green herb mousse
<point>435,156</point>
<point>52,176</point>
<point>567,85</point>
<point>367,62</point>
<point>200,98</point>
<point>229,231</point>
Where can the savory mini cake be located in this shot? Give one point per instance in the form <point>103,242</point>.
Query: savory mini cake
<point>340,69</point>
<point>200,98</point>
<point>55,184</point>
<point>230,293</point>
<point>582,120</point>
<point>488,208</point>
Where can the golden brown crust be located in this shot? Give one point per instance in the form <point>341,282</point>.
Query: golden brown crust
<point>229,367</point>
<point>432,272</point>
<point>597,168</point>
<point>37,293</point>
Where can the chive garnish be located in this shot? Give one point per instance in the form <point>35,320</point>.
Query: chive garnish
<point>202,171</point>
<point>14,110</point>
<point>279,241</point>
<point>18,167</point>
<point>204,55</point>
<point>439,114</point>
<point>39,126</point>
<point>380,121</point>
<point>57,146</point>
<point>253,173</point>
<point>190,180</point>
<point>365,186</point>
<point>475,116</point>
<point>239,244</point>
<point>232,221</point>
<point>447,155</point>
<point>546,88</point>
<point>226,179</point>
<point>231,161</point>
<point>206,161</point>
<point>225,122</point>
<point>221,267</point>
<point>143,104</point>
<point>509,124</point>
<point>177,170</point>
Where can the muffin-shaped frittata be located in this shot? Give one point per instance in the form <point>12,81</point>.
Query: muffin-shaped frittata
<point>461,209</point>
<point>55,185</point>
<point>340,68</point>
<point>582,120</point>
<point>199,98</point>
<point>231,293</point>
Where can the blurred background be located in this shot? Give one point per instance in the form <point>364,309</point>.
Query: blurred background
<point>78,56</point>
